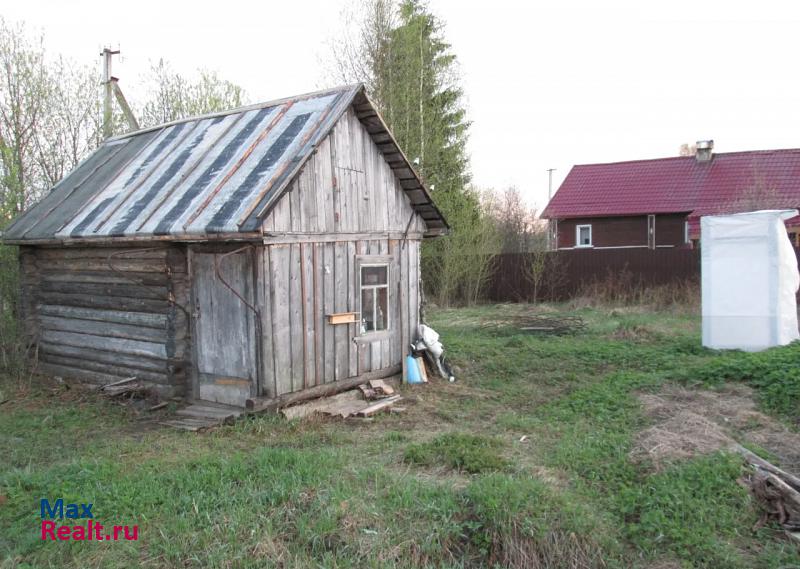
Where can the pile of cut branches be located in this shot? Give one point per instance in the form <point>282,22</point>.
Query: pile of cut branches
<point>555,324</point>
<point>777,490</point>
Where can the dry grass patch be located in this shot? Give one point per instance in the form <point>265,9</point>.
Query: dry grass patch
<point>691,422</point>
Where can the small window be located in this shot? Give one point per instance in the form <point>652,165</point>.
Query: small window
<point>686,233</point>
<point>374,297</point>
<point>583,236</point>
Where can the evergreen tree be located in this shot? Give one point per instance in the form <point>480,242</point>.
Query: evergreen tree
<point>401,55</point>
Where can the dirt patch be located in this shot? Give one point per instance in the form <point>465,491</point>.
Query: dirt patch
<point>694,421</point>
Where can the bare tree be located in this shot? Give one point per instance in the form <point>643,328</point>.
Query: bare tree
<point>174,96</point>
<point>759,194</point>
<point>460,268</point>
<point>523,234</point>
<point>49,118</point>
<point>24,89</point>
<point>71,127</point>
<point>516,222</point>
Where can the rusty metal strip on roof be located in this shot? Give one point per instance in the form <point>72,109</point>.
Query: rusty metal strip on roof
<point>217,174</point>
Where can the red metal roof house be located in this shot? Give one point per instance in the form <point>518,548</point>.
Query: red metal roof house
<point>658,203</point>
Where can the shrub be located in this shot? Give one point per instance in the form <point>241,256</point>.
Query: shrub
<point>13,351</point>
<point>624,288</point>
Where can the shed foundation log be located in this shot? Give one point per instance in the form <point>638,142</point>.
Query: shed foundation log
<point>260,405</point>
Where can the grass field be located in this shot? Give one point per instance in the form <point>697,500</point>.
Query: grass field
<point>526,461</point>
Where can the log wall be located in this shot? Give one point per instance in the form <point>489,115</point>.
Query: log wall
<point>101,314</point>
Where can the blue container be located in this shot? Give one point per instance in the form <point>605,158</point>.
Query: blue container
<point>412,370</point>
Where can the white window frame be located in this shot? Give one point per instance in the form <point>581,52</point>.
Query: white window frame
<point>578,243</point>
<point>364,261</point>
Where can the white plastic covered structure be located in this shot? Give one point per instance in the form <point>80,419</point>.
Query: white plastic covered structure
<point>750,277</point>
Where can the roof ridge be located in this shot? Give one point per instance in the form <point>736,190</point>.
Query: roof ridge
<point>665,158</point>
<point>241,109</point>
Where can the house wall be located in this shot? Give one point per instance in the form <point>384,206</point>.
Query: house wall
<point>624,231</point>
<point>346,188</point>
<point>102,314</point>
<point>346,202</point>
<point>308,281</point>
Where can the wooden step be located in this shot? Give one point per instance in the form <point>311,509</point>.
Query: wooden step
<point>203,415</point>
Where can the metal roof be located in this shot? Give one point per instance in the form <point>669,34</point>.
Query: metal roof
<point>214,176</point>
<point>769,178</point>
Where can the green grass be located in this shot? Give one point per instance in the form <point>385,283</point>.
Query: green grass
<point>774,374</point>
<point>461,452</point>
<point>525,460</point>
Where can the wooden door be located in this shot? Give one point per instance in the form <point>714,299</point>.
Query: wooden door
<point>224,327</point>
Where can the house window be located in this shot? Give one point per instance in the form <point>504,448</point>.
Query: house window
<point>374,283</point>
<point>686,232</point>
<point>583,236</point>
<point>651,231</point>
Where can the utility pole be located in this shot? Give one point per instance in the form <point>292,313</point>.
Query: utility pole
<point>113,90</point>
<point>550,232</point>
<point>550,183</point>
<point>107,54</point>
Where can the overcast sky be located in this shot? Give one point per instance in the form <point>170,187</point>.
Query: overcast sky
<point>548,84</point>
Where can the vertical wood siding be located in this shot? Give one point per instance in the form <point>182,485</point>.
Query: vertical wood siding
<point>345,187</point>
<point>301,349</point>
<point>345,202</point>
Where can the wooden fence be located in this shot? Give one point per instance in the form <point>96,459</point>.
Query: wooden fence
<point>567,272</point>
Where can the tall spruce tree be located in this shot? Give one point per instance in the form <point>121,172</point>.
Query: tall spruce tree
<point>401,55</point>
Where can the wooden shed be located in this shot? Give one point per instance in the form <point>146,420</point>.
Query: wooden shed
<point>241,255</point>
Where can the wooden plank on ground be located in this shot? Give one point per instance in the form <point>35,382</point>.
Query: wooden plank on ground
<point>380,385</point>
<point>379,406</point>
<point>345,409</point>
<point>322,403</point>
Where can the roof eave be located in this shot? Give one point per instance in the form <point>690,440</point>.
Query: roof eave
<point>367,112</point>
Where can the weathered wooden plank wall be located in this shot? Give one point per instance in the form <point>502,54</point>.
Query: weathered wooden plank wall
<point>346,187</point>
<point>224,332</point>
<point>301,348</point>
<point>101,314</point>
<point>346,202</point>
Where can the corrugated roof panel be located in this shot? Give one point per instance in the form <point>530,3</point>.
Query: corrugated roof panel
<point>160,166</point>
<point>214,174</point>
<point>211,170</point>
<point>66,200</point>
<point>281,141</point>
<point>166,174</point>
<point>134,174</point>
<point>181,163</point>
<point>41,210</point>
